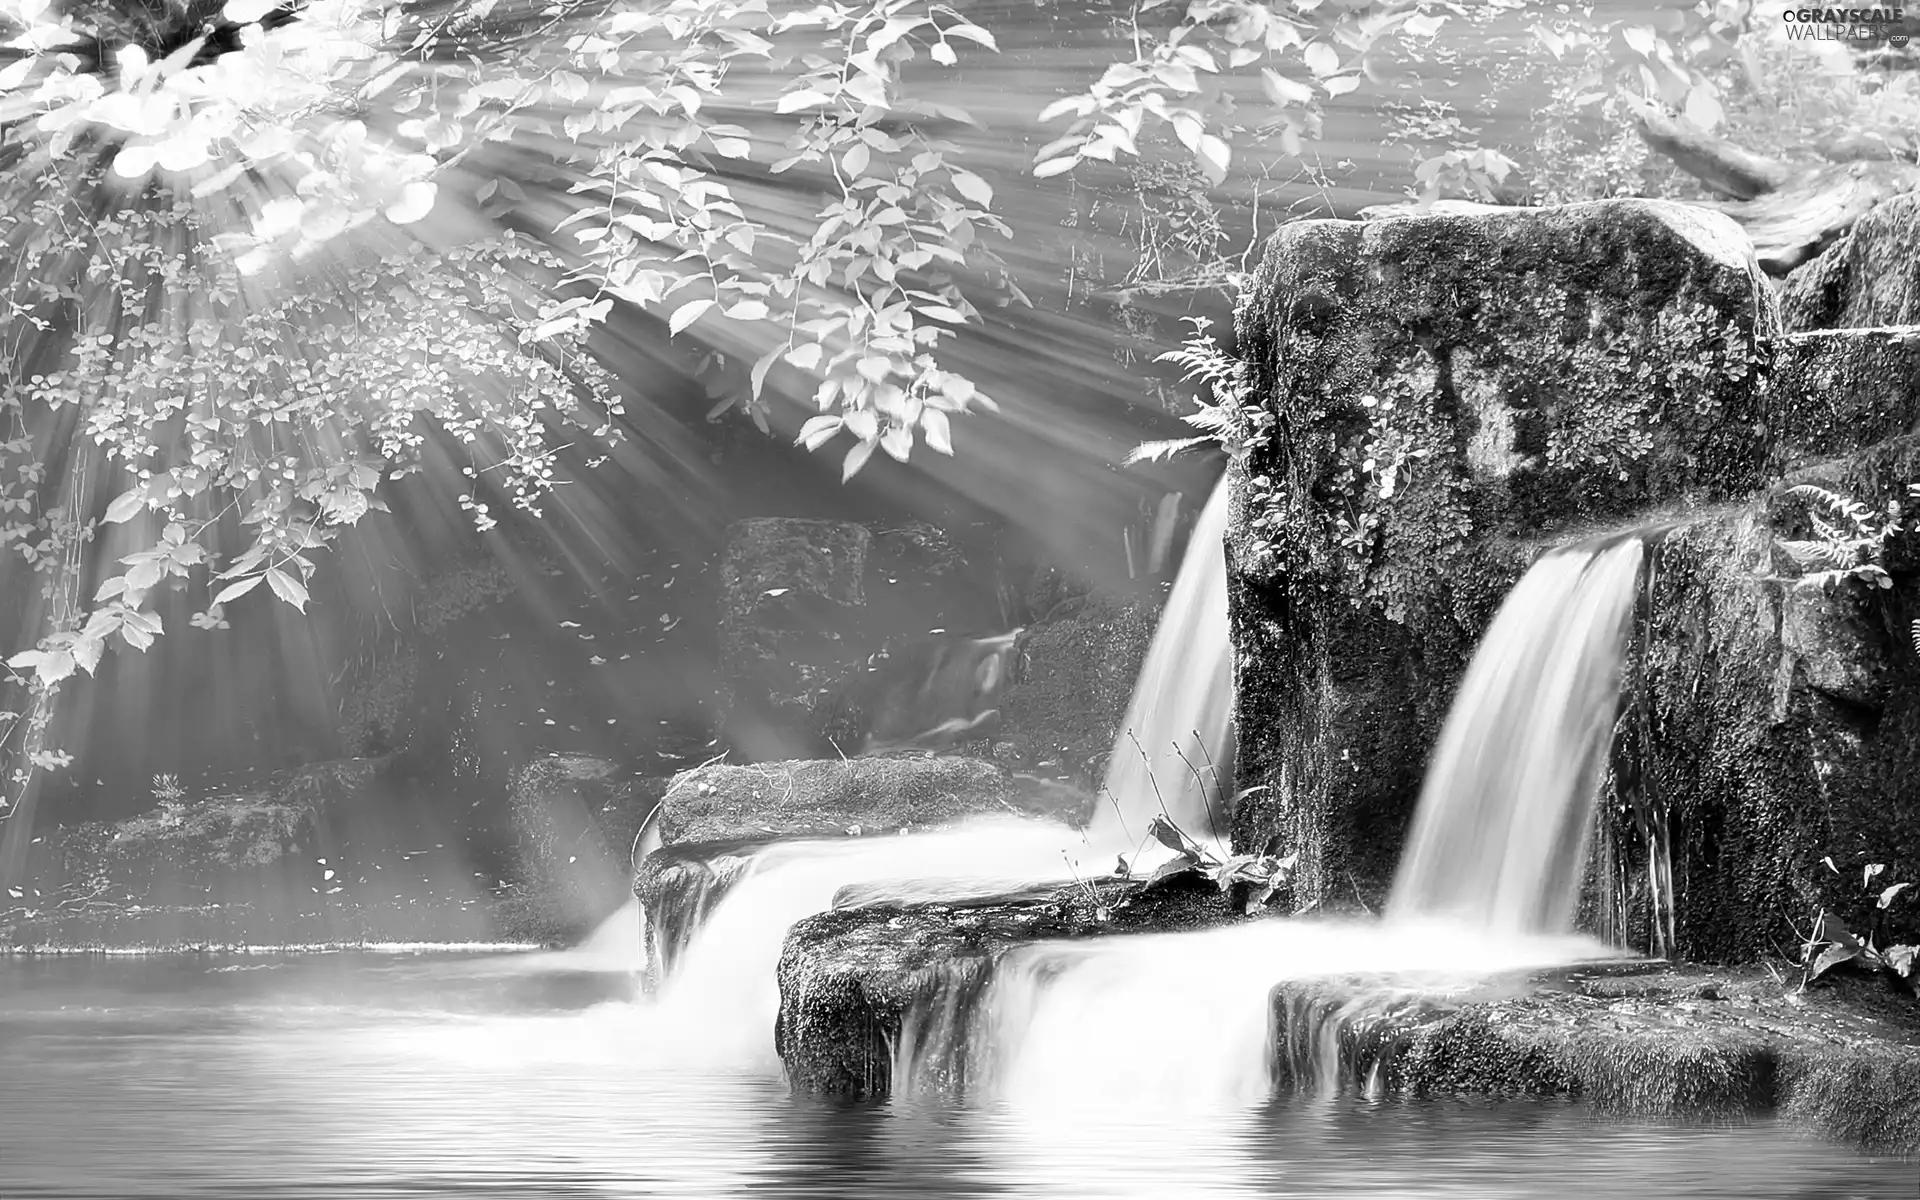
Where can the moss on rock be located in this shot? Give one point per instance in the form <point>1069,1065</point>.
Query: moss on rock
<point>1446,394</point>
<point>1870,276</point>
<point>1632,1043</point>
<point>855,981</point>
<point>829,797</point>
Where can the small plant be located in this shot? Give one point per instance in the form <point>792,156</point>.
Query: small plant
<point>1264,874</point>
<point>1849,541</point>
<point>1831,943</point>
<point>1224,414</point>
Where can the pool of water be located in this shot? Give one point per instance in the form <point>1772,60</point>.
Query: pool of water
<point>371,1076</point>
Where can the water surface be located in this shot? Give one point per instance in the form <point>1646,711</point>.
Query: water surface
<point>372,1076</point>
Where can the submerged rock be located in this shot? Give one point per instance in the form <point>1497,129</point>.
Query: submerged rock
<point>714,818</point>
<point>1637,1042</point>
<point>873,987</point>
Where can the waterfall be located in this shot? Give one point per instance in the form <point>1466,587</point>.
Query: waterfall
<point>1188,1020</point>
<point>1500,835</point>
<point>1172,754</point>
<point>716,1007</point>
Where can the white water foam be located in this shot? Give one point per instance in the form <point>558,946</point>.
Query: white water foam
<point>717,1008</point>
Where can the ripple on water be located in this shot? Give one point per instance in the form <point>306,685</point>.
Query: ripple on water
<point>367,1079</point>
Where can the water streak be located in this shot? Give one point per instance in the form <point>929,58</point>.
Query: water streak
<point>1500,834</point>
<point>717,1006</point>
<point>1173,751</point>
<point>1176,1021</point>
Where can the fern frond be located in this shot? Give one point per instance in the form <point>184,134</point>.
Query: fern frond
<point>1916,636</point>
<point>1826,555</point>
<point>1843,507</point>
<point>1214,418</point>
<point>1158,451</point>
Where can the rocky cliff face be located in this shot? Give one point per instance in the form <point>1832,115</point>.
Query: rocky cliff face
<point>1437,399</point>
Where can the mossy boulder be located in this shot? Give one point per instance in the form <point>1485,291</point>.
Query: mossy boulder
<point>1634,1043</point>
<point>1870,275</point>
<point>1773,724</point>
<point>1072,684</point>
<point>713,818</point>
<point>1435,398</point>
<point>861,982</point>
<point>830,797</point>
<point>1839,392</point>
<point>577,821</point>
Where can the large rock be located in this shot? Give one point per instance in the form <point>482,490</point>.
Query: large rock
<point>714,818</point>
<point>1843,391</point>
<point>578,824</point>
<point>1637,1044</point>
<point>1869,277</point>
<point>792,598</point>
<point>862,983</point>
<point>1436,398</point>
<point>830,797</point>
<point>1072,684</point>
<point>1775,724</point>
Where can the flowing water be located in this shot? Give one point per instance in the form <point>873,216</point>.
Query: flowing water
<point>1172,754</point>
<point>356,1077</point>
<point>1500,835</point>
<point>1488,886</point>
<point>1113,1067</point>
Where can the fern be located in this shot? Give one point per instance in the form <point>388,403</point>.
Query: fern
<point>1158,451</point>
<point>1221,413</point>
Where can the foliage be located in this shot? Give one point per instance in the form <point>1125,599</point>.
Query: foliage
<point>1262,874</point>
<point>1831,943</point>
<point>1225,411</point>
<point>209,271</point>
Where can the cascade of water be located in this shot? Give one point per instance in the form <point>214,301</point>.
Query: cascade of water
<point>717,1006</point>
<point>1172,753</point>
<point>1185,1019</point>
<point>1500,833</point>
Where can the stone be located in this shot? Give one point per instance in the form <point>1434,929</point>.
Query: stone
<point>1071,686</point>
<point>1632,1042</point>
<point>1869,277</point>
<point>862,980</point>
<point>792,599</point>
<point>828,797</point>
<point>577,823</point>
<point>713,818</point>
<point>1841,391</point>
<point>1777,725</point>
<point>1446,395</point>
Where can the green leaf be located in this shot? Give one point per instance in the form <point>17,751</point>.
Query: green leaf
<point>818,431</point>
<point>234,591</point>
<point>797,100</point>
<point>856,458</point>
<point>126,506</point>
<point>972,187</point>
<point>1058,166</point>
<point>938,432</point>
<point>687,314</point>
<point>287,588</point>
<point>1284,91</point>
